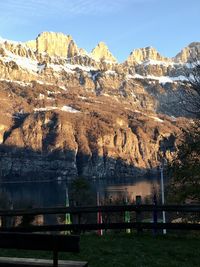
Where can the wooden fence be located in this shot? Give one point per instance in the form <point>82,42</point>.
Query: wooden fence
<point>77,213</point>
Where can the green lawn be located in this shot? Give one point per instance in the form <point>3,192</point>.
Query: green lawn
<point>119,250</point>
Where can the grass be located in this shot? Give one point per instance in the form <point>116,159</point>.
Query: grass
<point>130,250</point>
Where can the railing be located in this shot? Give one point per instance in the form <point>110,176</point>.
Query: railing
<point>107,208</point>
<point>77,212</point>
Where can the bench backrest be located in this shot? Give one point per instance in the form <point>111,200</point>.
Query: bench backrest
<point>47,242</point>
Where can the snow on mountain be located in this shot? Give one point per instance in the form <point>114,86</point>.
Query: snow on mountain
<point>161,79</point>
<point>42,60</point>
<point>63,108</point>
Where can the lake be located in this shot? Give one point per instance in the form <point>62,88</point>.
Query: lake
<point>39,194</point>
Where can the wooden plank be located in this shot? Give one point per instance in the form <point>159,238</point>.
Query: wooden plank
<point>47,242</point>
<point>94,209</point>
<point>88,227</point>
<point>24,262</point>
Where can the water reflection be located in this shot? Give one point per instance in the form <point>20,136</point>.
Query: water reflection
<point>53,194</point>
<point>35,194</point>
<point>127,188</point>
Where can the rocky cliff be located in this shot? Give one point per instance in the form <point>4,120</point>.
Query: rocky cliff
<point>67,112</point>
<point>145,54</point>
<point>49,132</point>
<point>189,53</point>
<point>101,52</point>
<point>54,44</point>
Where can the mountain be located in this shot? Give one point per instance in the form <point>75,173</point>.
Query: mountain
<point>67,112</point>
<point>54,44</point>
<point>145,54</point>
<point>101,52</point>
<point>188,53</point>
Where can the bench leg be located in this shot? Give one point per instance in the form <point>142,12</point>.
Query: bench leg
<point>55,258</point>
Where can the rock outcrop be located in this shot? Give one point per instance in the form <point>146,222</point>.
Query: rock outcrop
<point>101,52</point>
<point>189,53</point>
<point>54,44</point>
<point>145,54</point>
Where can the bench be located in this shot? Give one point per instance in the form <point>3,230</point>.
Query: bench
<point>43,242</point>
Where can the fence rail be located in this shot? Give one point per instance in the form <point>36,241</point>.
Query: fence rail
<point>104,226</point>
<point>95,209</point>
<point>79,211</point>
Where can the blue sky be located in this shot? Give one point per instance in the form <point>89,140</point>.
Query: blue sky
<point>123,25</point>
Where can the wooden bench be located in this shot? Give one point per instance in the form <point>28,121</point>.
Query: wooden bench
<point>45,242</point>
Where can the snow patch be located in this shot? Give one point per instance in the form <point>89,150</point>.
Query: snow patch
<point>59,68</point>
<point>110,72</point>
<point>25,63</point>
<point>63,108</point>
<point>135,76</point>
<point>2,41</point>
<point>153,117</point>
<point>69,109</point>
<point>156,119</point>
<point>105,94</point>
<point>45,109</point>
<point>34,66</point>
<point>84,68</point>
<point>17,82</point>
<point>70,68</point>
<point>161,79</point>
<point>63,88</point>
<point>159,62</point>
<point>41,96</point>
<point>52,92</point>
<point>83,97</point>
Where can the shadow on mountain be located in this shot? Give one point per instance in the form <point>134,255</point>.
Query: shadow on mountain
<point>171,100</point>
<point>18,120</point>
<point>24,163</point>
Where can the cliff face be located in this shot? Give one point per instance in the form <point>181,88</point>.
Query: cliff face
<point>80,135</point>
<point>144,54</point>
<point>189,53</point>
<point>54,44</point>
<point>66,112</point>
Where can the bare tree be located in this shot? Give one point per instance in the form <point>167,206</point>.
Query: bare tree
<point>190,95</point>
<point>185,178</point>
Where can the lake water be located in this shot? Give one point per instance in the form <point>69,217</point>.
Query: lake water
<point>54,193</point>
<point>37,194</point>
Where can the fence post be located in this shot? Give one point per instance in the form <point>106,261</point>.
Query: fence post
<point>127,215</point>
<point>155,214</point>
<point>76,219</point>
<point>99,215</point>
<point>138,214</point>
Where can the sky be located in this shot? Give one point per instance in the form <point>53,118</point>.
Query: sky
<point>124,25</point>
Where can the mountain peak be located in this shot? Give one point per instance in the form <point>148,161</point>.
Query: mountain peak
<point>55,44</point>
<point>101,52</point>
<point>102,44</point>
<point>189,53</point>
<point>194,44</point>
<point>144,54</point>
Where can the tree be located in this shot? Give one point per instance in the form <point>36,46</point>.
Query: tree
<point>81,193</point>
<point>185,168</point>
<point>191,93</point>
